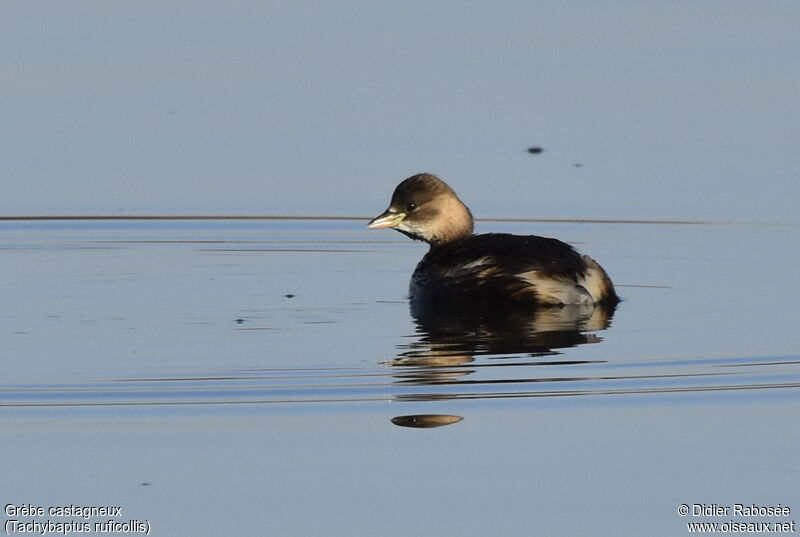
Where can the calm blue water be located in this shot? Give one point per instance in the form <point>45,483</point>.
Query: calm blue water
<point>266,377</point>
<point>270,372</point>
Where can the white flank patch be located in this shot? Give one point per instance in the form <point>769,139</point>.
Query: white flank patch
<point>594,279</point>
<point>557,291</point>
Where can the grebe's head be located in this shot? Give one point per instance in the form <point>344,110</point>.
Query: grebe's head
<point>425,208</point>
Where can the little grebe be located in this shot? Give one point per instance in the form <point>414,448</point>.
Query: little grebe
<point>490,268</point>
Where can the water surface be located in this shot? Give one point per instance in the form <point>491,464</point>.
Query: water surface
<point>225,365</point>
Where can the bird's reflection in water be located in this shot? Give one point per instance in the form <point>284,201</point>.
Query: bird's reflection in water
<point>448,340</point>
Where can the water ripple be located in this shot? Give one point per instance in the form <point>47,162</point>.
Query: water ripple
<point>522,379</point>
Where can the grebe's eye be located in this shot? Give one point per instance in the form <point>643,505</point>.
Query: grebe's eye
<point>411,206</point>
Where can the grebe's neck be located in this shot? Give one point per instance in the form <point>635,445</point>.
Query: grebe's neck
<point>452,223</point>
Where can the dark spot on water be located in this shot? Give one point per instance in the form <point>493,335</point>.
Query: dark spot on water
<point>145,484</point>
<point>289,295</point>
<point>426,421</point>
<point>578,165</point>
<point>535,150</point>
<point>239,321</point>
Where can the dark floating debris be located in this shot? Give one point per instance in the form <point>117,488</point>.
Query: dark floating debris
<point>289,295</point>
<point>426,421</point>
<point>239,321</point>
<point>535,150</point>
<point>578,165</point>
